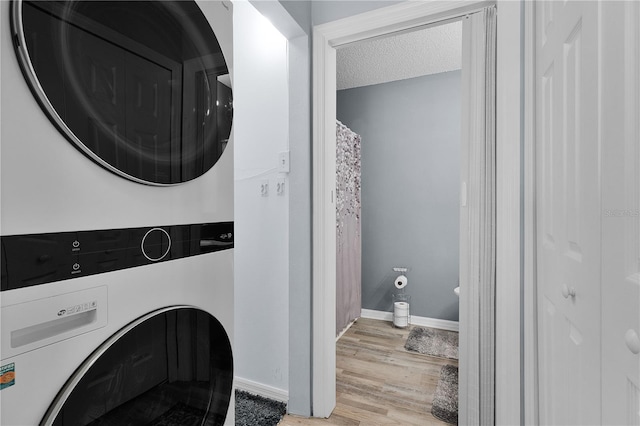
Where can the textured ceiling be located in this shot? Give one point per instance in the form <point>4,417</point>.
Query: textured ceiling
<point>412,54</point>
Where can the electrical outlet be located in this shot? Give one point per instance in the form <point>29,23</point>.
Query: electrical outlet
<point>264,187</point>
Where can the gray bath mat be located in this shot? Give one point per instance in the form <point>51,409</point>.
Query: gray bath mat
<point>434,342</point>
<point>255,410</point>
<point>445,400</point>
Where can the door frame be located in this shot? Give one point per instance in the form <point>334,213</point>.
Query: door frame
<point>530,290</point>
<point>509,164</point>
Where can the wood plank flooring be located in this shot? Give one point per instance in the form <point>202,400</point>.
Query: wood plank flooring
<point>378,382</point>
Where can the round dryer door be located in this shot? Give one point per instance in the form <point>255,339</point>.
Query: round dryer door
<point>173,366</point>
<point>141,87</point>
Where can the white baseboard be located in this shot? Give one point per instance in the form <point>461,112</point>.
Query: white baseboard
<point>266,391</point>
<point>345,329</point>
<point>415,320</point>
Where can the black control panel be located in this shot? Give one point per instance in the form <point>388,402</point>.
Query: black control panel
<point>35,259</point>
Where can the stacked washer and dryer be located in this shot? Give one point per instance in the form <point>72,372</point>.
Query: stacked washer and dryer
<point>116,213</point>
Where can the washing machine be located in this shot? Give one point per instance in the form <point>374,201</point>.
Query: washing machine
<point>116,212</point>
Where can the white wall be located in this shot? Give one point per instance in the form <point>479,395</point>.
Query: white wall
<point>261,223</point>
<point>299,73</point>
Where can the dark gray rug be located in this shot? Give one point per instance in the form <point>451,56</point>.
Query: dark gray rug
<point>254,410</point>
<point>433,342</point>
<point>445,400</point>
<point>180,414</point>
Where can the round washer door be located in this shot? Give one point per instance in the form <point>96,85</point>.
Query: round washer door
<point>172,366</point>
<point>140,87</point>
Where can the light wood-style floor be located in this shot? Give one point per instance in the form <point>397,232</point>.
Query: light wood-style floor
<point>378,382</point>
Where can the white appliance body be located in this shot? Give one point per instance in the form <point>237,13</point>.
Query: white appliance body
<point>49,186</point>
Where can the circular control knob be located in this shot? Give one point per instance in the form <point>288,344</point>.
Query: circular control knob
<point>156,244</point>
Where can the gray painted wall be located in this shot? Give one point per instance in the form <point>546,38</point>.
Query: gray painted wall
<point>324,11</point>
<point>300,11</point>
<point>314,12</point>
<point>410,189</point>
<point>299,228</point>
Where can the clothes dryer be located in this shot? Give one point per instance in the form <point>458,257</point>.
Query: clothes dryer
<point>116,225</point>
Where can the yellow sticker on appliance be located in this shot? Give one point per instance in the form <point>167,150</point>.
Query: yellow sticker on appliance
<point>7,375</point>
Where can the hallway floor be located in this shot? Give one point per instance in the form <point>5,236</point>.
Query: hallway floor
<point>378,381</point>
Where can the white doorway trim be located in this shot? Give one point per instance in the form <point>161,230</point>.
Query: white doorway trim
<point>379,22</point>
<point>510,383</point>
<point>530,306</point>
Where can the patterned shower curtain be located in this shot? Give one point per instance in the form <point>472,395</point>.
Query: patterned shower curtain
<point>348,239</point>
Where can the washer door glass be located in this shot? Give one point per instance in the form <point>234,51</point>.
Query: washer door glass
<point>173,366</point>
<point>141,87</point>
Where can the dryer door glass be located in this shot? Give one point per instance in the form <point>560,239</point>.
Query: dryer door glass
<point>141,87</point>
<point>173,366</point>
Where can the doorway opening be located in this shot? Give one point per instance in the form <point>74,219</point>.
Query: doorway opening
<point>398,212</point>
<point>398,180</point>
<point>326,39</point>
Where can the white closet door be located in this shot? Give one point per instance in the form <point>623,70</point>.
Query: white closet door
<point>568,212</point>
<point>621,213</point>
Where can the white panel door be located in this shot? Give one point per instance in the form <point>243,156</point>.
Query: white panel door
<point>621,213</point>
<point>568,212</point>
